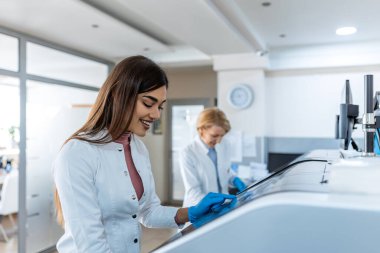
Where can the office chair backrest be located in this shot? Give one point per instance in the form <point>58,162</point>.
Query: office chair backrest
<point>9,194</point>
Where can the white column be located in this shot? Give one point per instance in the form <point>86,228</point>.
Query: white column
<point>244,69</point>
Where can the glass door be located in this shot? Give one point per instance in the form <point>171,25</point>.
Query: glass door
<point>183,114</point>
<point>53,113</point>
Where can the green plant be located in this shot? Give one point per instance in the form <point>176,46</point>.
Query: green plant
<point>12,131</point>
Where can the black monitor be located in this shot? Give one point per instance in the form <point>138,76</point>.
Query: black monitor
<point>346,120</point>
<point>277,160</point>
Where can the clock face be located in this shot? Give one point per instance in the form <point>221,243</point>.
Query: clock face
<point>240,96</point>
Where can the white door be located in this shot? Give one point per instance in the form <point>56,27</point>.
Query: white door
<point>183,115</point>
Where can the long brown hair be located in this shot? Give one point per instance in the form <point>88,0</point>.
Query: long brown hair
<point>115,103</point>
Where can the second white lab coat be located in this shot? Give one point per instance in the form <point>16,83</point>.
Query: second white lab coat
<point>198,171</point>
<point>102,213</point>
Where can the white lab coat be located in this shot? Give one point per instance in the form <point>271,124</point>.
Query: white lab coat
<point>198,171</point>
<point>100,207</point>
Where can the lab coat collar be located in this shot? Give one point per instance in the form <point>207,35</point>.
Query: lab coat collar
<point>110,145</point>
<point>203,146</point>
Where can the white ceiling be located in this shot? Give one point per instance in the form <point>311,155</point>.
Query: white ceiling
<point>189,32</point>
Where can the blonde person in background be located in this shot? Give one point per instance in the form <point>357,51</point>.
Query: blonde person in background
<point>205,162</point>
<point>105,185</point>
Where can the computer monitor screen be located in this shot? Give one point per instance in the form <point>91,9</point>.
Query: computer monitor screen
<point>347,115</point>
<point>277,160</point>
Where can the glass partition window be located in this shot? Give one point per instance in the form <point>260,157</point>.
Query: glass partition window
<point>9,123</point>
<point>51,63</point>
<point>53,113</point>
<point>9,158</point>
<point>8,52</point>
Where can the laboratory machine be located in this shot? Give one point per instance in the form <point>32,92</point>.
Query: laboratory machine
<point>324,201</point>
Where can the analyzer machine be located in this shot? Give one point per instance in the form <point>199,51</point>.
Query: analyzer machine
<point>324,201</point>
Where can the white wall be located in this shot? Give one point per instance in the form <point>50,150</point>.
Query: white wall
<point>251,119</point>
<point>304,86</point>
<point>297,90</point>
<point>247,69</point>
<point>304,103</point>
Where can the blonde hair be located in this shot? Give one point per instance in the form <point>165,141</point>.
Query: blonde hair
<point>115,104</point>
<point>213,117</point>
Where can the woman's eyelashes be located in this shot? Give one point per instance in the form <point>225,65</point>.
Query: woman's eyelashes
<point>150,106</point>
<point>147,105</point>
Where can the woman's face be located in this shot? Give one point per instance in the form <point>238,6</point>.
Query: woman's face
<point>148,109</point>
<point>212,135</point>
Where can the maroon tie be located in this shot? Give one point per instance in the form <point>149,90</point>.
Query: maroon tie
<point>135,177</point>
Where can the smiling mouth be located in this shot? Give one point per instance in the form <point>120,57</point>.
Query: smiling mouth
<point>146,123</point>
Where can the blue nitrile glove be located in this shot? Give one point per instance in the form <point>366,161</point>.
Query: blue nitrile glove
<point>376,145</point>
<point>239,184</point>
<point>211,202</point>
<point>225,206</point>
<point>213,215</point>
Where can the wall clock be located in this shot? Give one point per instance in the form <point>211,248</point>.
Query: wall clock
<point>240,96</point>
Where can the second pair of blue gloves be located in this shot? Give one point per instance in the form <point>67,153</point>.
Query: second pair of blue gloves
<point>239,184</point>
<point>212,202</point>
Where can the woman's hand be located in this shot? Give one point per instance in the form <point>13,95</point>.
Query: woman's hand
<point>212,202</point>
<point>239,184</point>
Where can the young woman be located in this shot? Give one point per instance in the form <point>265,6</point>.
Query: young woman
<point>205,166</point>
<point>105,186</point>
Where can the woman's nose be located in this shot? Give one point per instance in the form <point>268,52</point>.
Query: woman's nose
<point>155,113</point>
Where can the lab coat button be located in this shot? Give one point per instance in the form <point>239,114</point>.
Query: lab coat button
<point>120,149</point>
<point>134,216</point>
<point>133,197</point>
<point>135,240</point>
<point>125,173</point>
